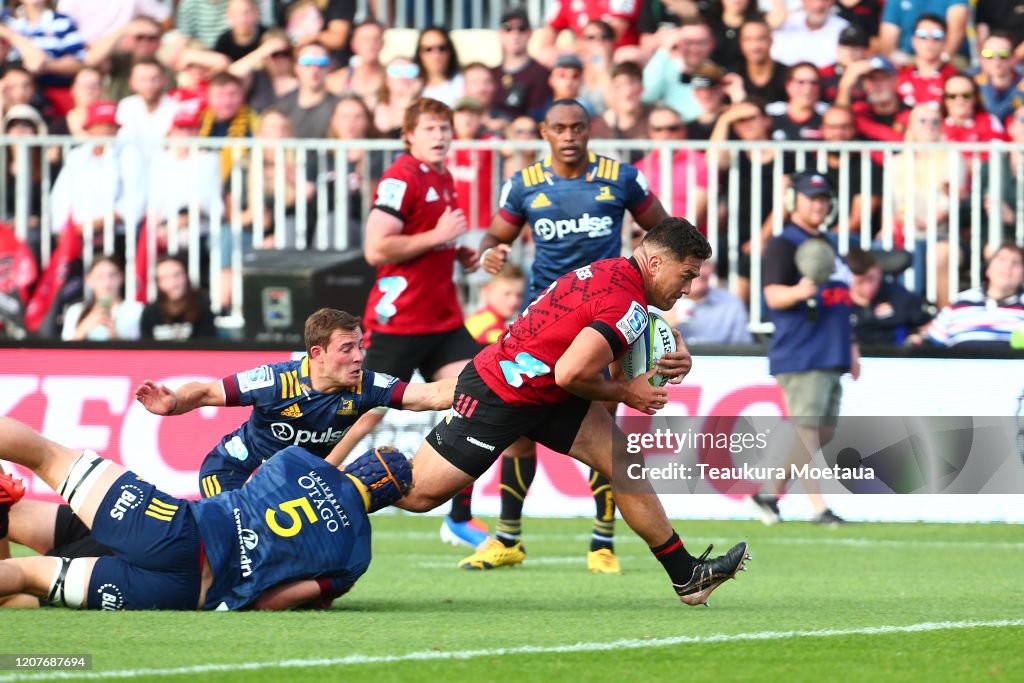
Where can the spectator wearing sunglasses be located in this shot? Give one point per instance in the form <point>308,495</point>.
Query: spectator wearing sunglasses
<point>439,66</point>
<point>268,71</point>
<point>327,22</point>
<point>964,118</point>
<point>1007,15</point>
<point>115,53</point>
<point>902,20</point>
<point>999,84</point>
<point>402,86</point>
<point>621,15</point>
<point>689,170</point>
<point>522,81</point>
<point>923,80</point>
<point>310,106</point>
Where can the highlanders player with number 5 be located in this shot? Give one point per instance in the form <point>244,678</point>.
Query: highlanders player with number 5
<point>575,201</point>
<point>297,535</point>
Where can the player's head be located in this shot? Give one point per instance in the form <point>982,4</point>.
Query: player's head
<point>670,257</point>
<point>427,130</point>
<point>866,276</point>
<point>566,127</point>
<point>504,292</point>
<point>382,475</point>
<point>334,344</point>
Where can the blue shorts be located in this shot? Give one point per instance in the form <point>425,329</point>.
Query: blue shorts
<point>220,473</point>
<point>158,551</point>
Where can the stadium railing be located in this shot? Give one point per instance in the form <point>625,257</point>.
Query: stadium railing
<point>980,177</point>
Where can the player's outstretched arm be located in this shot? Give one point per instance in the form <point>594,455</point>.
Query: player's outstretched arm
<point>160,400</point>
<point>430,395</point>
<point>289,596</point>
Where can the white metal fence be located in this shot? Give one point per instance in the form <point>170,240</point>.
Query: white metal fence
<point>300,194</point>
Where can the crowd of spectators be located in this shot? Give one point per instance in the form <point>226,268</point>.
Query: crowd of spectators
<point>148,73</point>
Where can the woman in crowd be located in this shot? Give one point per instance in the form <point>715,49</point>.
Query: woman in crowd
<point>180,312</point>
<point>401,88</point>
<point>85,89</point>
<point>439,65</point>
<point>364,74</point>
<point>594,48</point>
<point>104,315</point>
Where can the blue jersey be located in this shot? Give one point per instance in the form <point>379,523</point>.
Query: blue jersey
<point>286,410</point>
<point>575,221</point>
<point>802,341</point>
<point>297,518</point>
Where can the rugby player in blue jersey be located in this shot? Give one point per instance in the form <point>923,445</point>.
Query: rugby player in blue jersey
<point>309,402</point>
<point>574,201</point>
<point>297,535</point>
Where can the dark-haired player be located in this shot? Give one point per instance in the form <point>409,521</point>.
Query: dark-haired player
<point>574,201</point>
<point>297,535</point>
<point>545,379</point>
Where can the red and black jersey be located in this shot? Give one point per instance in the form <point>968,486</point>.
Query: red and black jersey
<point>417,296</point>
<point>607,295</point>
<point>915,88</point>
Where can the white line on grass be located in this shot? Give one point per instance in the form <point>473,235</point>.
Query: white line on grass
<point>433,655</point>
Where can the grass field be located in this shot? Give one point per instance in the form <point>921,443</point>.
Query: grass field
<point>892,602</point>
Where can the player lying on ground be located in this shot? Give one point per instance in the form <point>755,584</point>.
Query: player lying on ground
<point>296,535</point>
<point>545,378</point>
<point>309,402</point>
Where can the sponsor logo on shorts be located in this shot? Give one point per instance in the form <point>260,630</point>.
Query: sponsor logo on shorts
<point>111,597</point>
<point>283,431</point>
<point>247,540</point>
<point>480,444</point>
<point>129,499</point>
<point>257,378</point>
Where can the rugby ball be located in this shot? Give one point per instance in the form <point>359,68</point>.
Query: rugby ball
<point>652,344</point>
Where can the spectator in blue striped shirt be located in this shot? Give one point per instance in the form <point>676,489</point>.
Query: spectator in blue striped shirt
<point>984,317</point>
<point>56,35</point>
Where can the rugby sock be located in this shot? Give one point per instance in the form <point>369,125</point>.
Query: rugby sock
<point>603,534</point>
<point>516,476</point>
<point>462,510</point>
<point>5,519</point>
<point>675,559</point>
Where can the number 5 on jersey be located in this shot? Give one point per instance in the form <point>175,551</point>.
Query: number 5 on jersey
<point>291,508</point>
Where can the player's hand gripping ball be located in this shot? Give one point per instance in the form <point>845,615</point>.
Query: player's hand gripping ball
<point>653,343</point>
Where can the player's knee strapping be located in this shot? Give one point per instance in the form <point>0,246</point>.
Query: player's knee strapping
<point>81,478</point>
<point>68,586</point>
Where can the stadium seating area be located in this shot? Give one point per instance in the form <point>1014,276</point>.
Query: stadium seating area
<point>915,117</point>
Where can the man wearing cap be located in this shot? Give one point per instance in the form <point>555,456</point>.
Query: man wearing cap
<point>880,114</point>
<point>100,184</point>
<point>809,35</point>
<point>522,81</point>
<point>813,344</point>
<point>853,47</point>
<point>310,106</point>
<point>566,81</point>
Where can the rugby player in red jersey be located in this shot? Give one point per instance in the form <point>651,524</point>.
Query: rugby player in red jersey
<point>546,377</point>
<point>413,316</point>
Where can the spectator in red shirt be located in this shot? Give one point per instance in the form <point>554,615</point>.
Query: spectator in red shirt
<point>472,169</point>
<point>922,81</point>
<point>688,169</point>
<point>853,47</point>
<point>964,118</point>
<point>574,15</point>
<point>881,115</point>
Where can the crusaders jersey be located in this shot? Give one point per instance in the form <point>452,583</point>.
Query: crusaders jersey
<point>575,221</point>
<point>417,296</point>
<point>298,518</point>
<point>607,295</point>
<point>287,411</point>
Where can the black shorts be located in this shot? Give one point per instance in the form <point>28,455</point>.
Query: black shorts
<point>481,426</point>
<point>402,354</point>
<point>72,538</point>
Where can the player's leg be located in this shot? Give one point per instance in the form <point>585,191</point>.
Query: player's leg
<point>218,473</point>
<point>434,480</point>
<point>601,558</point>
<point>447,356</point>
<point>505,548</point>
<point>33,524</point>
<point>56,580</point>
<point>597,441</point>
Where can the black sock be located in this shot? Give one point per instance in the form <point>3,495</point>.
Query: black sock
<point>462,505</point>
<point>516,476</point>
<point>603,533</point>
<point>675,559</point>
<point>5,509</point>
